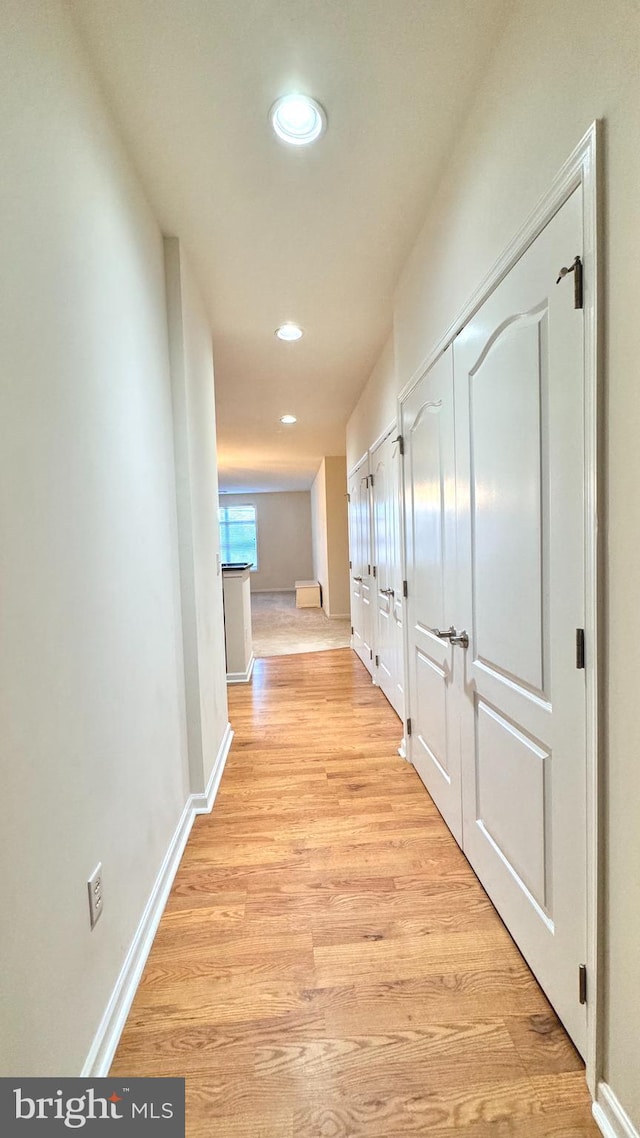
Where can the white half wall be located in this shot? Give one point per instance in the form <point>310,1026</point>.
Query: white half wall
<point>556,68</point>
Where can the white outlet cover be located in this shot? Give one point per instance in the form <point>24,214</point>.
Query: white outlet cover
<point>94,886</point>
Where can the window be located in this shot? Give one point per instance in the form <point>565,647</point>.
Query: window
<point>238,534</point>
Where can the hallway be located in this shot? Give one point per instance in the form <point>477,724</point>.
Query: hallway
<point>328,964</point>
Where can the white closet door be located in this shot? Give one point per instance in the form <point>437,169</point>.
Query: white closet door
<point>430,521</point>
<point>360,543</point>
<point>387,583</point>
<point>520,476</point>
<point>396,578</point>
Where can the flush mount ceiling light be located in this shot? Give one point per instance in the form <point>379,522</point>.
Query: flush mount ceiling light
<point>297,119</point>
<point>288,419</point>
<point>288,332</point>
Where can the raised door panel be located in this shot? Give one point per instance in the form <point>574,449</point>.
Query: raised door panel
<point>508,396</point>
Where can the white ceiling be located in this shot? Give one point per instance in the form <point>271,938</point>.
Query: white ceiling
<point>315,235</point>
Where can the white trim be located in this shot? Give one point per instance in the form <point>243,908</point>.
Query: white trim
<point>580,170</point>
<point>594,597</point>
<point>202,803</point>
<point>382,437</point>
<point>358,464</point>
<point>337,615</point>
<point>111,1026</point>
<point>242,677</point>
<point>290,590</point>
<point>108,1034</point>
<point>610,1116</point>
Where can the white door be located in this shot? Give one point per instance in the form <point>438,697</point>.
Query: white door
<point>360,555</point>
<point>519,424</point>
<point>434,665</point>
<point>384,463</point>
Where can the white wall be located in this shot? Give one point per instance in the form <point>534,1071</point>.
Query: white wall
<point>194,430</point>
<point>319,531</point>
<point>338,535</point>
<point>284,537</point>
<point>330,529</point>
<point>377,407</point>
<point>556,69</point>
<point>92,717</point>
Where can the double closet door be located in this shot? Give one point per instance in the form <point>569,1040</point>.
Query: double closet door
<point>494,501</point>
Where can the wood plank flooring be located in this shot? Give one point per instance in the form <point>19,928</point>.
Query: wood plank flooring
<point>328,964</point>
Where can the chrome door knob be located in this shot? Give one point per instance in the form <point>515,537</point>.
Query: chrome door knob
<point>453,636</point>
<point>460,638</point>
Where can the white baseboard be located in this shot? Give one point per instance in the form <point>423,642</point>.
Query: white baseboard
<point>289,590</point>
<point>242,677</point>
<point>203,803</point>
<point>611,1117</point>
<point>107,1037</point>
<point>338,615</point>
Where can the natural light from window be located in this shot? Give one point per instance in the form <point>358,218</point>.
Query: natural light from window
<point>238,535</point>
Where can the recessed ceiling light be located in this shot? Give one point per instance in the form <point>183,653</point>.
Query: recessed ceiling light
<point>288,332</point>
<point>297,119</point>
<point>288,419</point>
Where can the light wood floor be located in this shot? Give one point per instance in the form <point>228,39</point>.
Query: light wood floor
<point>328,964</point>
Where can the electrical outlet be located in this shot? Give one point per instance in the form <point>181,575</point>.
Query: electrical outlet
<point>94,885</point>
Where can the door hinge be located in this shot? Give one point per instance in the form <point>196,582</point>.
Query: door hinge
<point>576,269</point>
<point>351,564</point>
<point>348,497</point>
<point>352,630</point>
<point>405,590</point>
<point>377,661</point>
<point>582,983</point>
<point>371,481</point>
<point>371,653</point>
<point>368,570</point>
<point>374,571</point>
<point>400,440</point>
<point>408,726</point>
<point>580,648</point>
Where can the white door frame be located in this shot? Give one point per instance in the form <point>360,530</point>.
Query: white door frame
<point>374,446</point>
<point>364,459</point>
<point>582,168</point>
<point>391,429</point>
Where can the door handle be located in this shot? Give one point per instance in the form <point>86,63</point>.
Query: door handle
<point>444,635</point>
<point>452,636</point>
<point>460,638</point>
<point>357,578</point>
<point>386,592</point>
